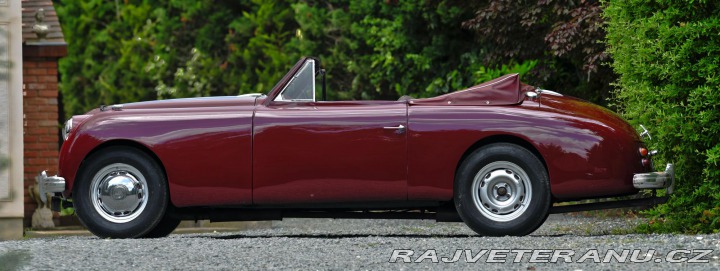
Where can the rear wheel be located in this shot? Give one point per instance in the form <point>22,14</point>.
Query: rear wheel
<point>502,189</point>
<point>120,192</point>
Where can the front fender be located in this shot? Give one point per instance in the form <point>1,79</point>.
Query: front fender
<point>206,151</point>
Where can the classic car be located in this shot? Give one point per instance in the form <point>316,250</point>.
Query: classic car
<point>498,156</point>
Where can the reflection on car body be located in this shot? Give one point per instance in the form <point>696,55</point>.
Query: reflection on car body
<point>496,156</point>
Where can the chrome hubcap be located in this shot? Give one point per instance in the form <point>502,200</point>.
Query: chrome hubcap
<point>501,191</point>
<point>119,192</point>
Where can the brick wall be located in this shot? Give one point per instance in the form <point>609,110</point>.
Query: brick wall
<point>41,126</point>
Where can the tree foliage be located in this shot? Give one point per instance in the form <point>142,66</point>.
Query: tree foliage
<point>144,50</point>
<point>122,51</point>
<point>106,54</point>
<point>221,48</point>
<point>666,53</point>
<point>564,35</point>
<point>667,56</point>
<point>388,49</point>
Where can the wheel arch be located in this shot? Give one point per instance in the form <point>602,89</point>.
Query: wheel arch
<point>124,143</point>
<point>501,138</point>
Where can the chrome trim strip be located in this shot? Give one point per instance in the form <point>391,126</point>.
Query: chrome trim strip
<point>394,127</point>
<point>549,92</point>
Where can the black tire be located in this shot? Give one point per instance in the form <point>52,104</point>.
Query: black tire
<point>134,198</point>
<point>166,226</point>
<point>502,189</point>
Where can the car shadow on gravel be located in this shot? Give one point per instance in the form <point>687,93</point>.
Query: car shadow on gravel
<point>346,236</point>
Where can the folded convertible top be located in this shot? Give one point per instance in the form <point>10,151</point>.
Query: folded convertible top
<point>505,90</point>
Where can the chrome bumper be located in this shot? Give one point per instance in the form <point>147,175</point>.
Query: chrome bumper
<point>656,180</point>
<point>53,184</point>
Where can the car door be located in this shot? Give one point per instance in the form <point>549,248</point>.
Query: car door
<point>327,152</point>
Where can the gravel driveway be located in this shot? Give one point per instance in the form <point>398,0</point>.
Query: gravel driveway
<point>311,244</point>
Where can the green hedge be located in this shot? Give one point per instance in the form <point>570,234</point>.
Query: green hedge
<point>667,54</point>
<point>125,51</point>
<point>143,50</point>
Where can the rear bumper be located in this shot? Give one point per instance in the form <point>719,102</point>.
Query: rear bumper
<point>650,180</point>
<point>656,180</point>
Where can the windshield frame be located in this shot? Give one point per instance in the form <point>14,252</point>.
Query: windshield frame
<point>307,70</point>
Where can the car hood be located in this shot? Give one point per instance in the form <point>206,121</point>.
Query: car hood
<point>201,106</point>
<point>222,101</point>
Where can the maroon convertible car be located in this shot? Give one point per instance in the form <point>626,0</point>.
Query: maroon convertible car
<point>496,156</point>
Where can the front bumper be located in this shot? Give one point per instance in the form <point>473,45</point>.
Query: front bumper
<point>52,184</point>
<point>656,180</point>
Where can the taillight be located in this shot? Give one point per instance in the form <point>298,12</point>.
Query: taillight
<point>643,152</point>
<point>646,162</point>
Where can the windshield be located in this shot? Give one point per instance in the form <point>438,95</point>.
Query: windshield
<point>302,86</point>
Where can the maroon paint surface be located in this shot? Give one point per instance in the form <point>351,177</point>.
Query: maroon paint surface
<point>329,152</point>
<point>589,152</point>
<point>251,150</point>
<point>205,149</point>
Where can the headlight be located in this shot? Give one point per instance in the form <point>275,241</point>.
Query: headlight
<point>67,129</point>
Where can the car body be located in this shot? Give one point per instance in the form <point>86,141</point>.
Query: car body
<point>256,157</point>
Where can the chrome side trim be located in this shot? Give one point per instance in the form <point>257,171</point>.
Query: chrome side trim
<point>399,127</point>
<point>549,92</point>
<point>53,184</point>
<point>250,95</point>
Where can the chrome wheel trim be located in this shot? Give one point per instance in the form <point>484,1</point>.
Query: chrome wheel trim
<point>501,191</point>
<point>119,193</point>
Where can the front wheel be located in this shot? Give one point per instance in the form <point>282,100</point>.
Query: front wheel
<point>166,226</point>
<point>502,189</point>
<point>120,193</point>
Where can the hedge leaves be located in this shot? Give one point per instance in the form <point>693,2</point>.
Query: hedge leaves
<point>667,54</point>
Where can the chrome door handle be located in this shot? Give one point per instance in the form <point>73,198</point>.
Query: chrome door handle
<point>399,127</point>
